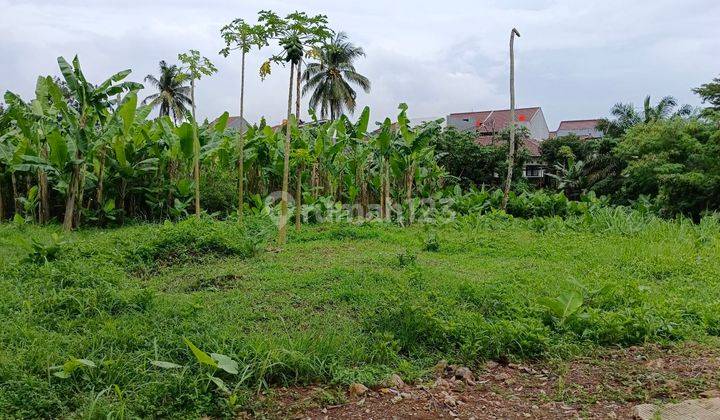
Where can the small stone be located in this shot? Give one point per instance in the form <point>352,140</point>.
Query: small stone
<point>357,389</point>
<point>465,374</point>
<point>361,402</point>
<point>452,414</point>
<point>440,367</point>
<point>406,395</point>
<point>502,376</point>
<point>396,381</point>
<point>396,399</point>
<point>441,383</point>
<point>491,364</point>
<point>449,399</point>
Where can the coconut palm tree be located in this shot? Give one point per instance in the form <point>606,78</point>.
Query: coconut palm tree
<point>173,90</point>
<point>330,79</point>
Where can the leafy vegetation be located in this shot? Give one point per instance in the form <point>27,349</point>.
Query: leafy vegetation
<point>188,319</point>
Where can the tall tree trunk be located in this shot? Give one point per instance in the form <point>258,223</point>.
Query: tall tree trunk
<point>282,234</point>
<point>409,175</point>
<point>388,200</point>
<point>300,168</point>
<point>297,90</point>
<point>298,197</point>
<point>511,151</point>
<point>241,144</point>
<point>2,200</point>
<point>16,196</point>
<point>71,198</point>
<point>44,215</point>
<point>315,180</point>
<point>382,187</point>
<point>196,151</point>
<point>101,179</point>
<point>80,194</point>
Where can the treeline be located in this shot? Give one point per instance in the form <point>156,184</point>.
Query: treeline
<point>662,158</point>
<point>88,153</point>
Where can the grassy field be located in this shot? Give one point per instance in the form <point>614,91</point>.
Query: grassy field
<point>339,304</point>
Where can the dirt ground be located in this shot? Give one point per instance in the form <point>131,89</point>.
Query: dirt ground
<point>605,385</point>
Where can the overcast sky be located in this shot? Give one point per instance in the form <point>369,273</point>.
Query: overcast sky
<point>575,59</point>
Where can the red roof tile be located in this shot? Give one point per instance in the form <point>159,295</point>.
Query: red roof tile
<point>578,124</point>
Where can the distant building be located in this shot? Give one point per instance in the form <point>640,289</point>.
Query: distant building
<point>237,124</point>
<point>489,123</point>
<point>585,129</point>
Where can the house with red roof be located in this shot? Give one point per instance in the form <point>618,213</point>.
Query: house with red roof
<point>585,129</point>
<point>489,123</point>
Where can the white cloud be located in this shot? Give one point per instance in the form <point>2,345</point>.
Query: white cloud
<point>575,59</point>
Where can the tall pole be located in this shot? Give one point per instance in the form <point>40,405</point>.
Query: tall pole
<point>241,143</point>
<point>282,234</point>
<point>299,171</point>
<point>196,150</point>
<point>511,152</point>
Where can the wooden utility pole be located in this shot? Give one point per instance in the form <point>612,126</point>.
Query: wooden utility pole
<point>511,152</point>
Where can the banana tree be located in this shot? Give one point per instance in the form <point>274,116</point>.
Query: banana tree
<point>358,151</point>
<point>82,124</point>
<point>411,152</point>
<point>383,142</point>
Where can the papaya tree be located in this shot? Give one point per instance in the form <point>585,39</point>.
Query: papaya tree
<point>294,33</point>
<point>196,67</point>
<point>242,36</point>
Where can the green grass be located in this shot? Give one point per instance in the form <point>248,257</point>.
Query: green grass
<point>340,303</point>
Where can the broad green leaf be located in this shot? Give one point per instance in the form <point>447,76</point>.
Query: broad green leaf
<point>221,123</point>
<point>127,111</point>
<point>165,365</point>
<point>564,306</point>
<point>219,383</point>
<point>363,122</point>
<point>200,355</point>
<point>119,148</point>
<point>185,134</point>
<point>225,363</point>
<point>58,149</point>
<point>68,73</point>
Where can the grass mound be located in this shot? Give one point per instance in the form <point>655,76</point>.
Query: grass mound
<point>340,303</point>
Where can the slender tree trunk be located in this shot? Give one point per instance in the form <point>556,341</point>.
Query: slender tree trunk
<point>80,194</point>
<point>388,200</point>
<point>16,197</point>
<point>409,175</point>
<point>44,213</point>
<point>241,144</point>
<point>382,187</point>
<point>282,234</point>
<point>44,192</point>
<point>315,180</point>
<point>101,179</point>
<point>363,194</point>
<point>301,167</point>
<point>298,197</point>
<point>511,151</point>
<point>297,90</point>
<point>71,198</point>
<point>2,200</point>
<point>196,151</point>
